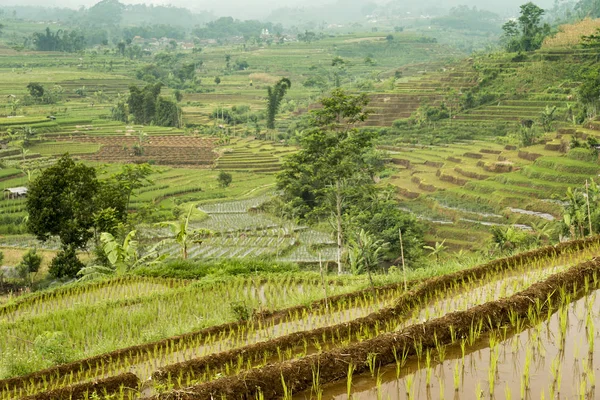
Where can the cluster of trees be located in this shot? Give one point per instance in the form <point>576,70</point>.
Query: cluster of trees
<point>226,27</point>
<point>146,106</point>
<point>173,70</point>
<point>113,13</point>
<point>309,36</point>
<point>332,177</point>
<point>68,41</point>
<point>469,19</point>
<point>153,31</point>
<point>39,94</point>
<point>581,214</point>
<point>528,32</point>
<point>588,8</point>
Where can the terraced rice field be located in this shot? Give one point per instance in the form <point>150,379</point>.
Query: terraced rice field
<point>305,348</point>
<point>239,230</point>
<point>351,335</point>
<point>346,355</point>
<point>130,308</point>
<point>470,186</point>
<point>252,156</point>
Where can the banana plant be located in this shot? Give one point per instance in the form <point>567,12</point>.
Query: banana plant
<point>437,250</point>
<point>182,235</point>
<point>122,257</point>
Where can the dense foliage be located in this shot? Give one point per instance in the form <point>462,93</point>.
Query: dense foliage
<point>528,32</point>
<point>332,176</point>
<point>146,106</point>
<point>226,27</point>
<point>60,40</point>
<point>67,200</point>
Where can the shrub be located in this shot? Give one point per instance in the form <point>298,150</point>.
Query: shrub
<point>241,311</point>
<point>19,363</point>
<point>65,264</point>
<point>30,264</point>
<point>224,179</point>
<point>583,154</point>
<point>54,347</point>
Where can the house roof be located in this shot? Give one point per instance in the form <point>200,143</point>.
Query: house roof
<point>17,190</point>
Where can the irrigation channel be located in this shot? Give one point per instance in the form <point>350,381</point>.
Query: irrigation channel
<point>220,361</point>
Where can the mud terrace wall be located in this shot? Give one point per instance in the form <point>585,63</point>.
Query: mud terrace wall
<point>333,365</point>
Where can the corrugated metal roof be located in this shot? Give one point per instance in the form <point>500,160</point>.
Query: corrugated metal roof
<point>17,190</point>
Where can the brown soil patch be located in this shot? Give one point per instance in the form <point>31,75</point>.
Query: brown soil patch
<point>108,386</point>
<point>529,156</point>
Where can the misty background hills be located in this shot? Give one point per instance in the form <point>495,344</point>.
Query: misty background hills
<point>289,11</point>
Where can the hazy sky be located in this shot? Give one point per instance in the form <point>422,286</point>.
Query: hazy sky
<point>245,9</point>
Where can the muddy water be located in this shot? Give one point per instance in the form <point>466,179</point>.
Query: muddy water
<point>463,297</point>
<point>559,366</point>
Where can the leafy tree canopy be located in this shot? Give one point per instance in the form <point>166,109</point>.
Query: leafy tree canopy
<point>147,107</point>
<point>332,176</point>
<point>67,41</point>
<point>528,32</point>
<point>65,199</point>
<point>106,12</point>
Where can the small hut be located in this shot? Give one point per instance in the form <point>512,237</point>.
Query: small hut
<point>15,193</point>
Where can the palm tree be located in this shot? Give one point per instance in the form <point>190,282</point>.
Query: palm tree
<point>542,231</point>
<point>274,97</point>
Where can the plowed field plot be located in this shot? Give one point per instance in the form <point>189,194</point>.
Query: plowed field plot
<point>162,150</point>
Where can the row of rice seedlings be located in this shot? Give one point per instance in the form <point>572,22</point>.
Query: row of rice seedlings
<point>552,346</point>
<point>271,292</point>
<point>144,363</point>
<point>468,294</point>
<point>336,313</point>
<point>116,289</point>
<point>569,255</point>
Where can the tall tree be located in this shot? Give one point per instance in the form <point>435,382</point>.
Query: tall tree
<point>131,177</point>
<point>528,33</point>
<point>60,202</point>
<point>147,107</point>
<point>64,201</point>
<point>332,164</point>
<point>274,97</point>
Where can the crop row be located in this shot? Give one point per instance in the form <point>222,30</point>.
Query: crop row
<point>130,322</point>
<point>457,295</point>
<point>278,380</point>
<point>560,255</point>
